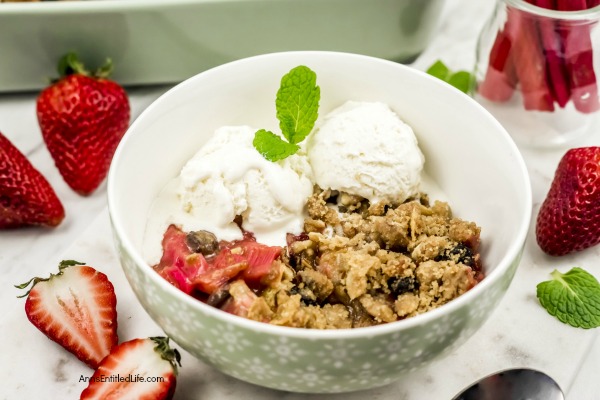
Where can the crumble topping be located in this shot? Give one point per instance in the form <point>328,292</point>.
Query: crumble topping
<point>360,264</point>
<point>356,264</point>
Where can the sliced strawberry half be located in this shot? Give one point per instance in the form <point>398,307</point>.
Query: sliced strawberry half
<point>75,308</point>
<point>141,369</point>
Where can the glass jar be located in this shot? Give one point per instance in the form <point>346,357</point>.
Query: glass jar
<point>537,70</point>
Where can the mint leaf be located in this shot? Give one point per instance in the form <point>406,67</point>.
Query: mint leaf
<point>272,147</point>
<point>462,80</point>
<point>439,70</point>
<point>573,298</point>
<point>297,103</point>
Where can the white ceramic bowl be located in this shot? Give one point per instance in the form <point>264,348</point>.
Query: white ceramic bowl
<point>468,154</point>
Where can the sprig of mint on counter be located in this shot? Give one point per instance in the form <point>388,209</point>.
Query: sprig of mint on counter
<point>297,105</point>
<point>462,80</point>
<point>572,297</point>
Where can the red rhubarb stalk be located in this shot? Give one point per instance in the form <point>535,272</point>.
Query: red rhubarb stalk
<point>529,61</point>
<point>571,5</point>
<point>592,3</point>
<point>579,58</point>
<point>545,4</point>
<point>551,42</point>
<point>500,77</point>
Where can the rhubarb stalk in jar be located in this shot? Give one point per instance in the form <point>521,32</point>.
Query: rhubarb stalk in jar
<point>537,69</point>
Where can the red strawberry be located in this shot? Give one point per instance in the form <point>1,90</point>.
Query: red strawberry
<point>141,369</point>
<point>26,197</point>
<point>82,119</point>
<point>76,308</point>
<point>569,218</point>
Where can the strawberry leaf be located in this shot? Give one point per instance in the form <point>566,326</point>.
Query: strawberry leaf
<point>166,352</point>
<point>69,64</point>
<point>105,70</point>
<point>573,298</point>
<point>33,281</point>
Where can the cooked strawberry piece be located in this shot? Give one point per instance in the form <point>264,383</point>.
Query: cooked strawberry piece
<point>76,308</point>
<point>179,265</point>
<point>149,364</point>
<point>290,239</point>
<point>242,298</point>
<point>83,117</point>
<point>569,218</point>
<point>26,197</point>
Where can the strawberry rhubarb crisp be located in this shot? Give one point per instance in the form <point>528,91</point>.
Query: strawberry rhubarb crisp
<point>333,233</point>
<point>356,264</point>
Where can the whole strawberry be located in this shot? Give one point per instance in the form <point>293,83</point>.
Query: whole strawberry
<point>26,197</point>
<point>83,117</point>
<point>569,218</point>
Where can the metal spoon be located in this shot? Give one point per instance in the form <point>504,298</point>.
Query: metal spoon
<point>513,384</point>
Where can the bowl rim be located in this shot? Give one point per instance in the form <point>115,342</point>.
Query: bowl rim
<point>511,255</point>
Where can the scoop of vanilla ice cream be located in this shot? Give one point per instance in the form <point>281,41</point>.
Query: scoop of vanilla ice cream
<point>228,177</point>
<point>363,148</point>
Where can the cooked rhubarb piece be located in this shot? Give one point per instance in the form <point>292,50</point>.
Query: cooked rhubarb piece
<point>529,61</point>
<point>192,272</point>
<point>259,260</point>
<point>579,58</point>
<point>179,265</point>
<point>500,78</point>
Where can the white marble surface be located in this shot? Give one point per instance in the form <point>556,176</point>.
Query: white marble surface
<point>519,333</point>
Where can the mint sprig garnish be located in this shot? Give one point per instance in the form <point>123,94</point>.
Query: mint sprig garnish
<point>573,298</point>
<point>462,80</point>
<point>297,105</point>
<point>272,147</point>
